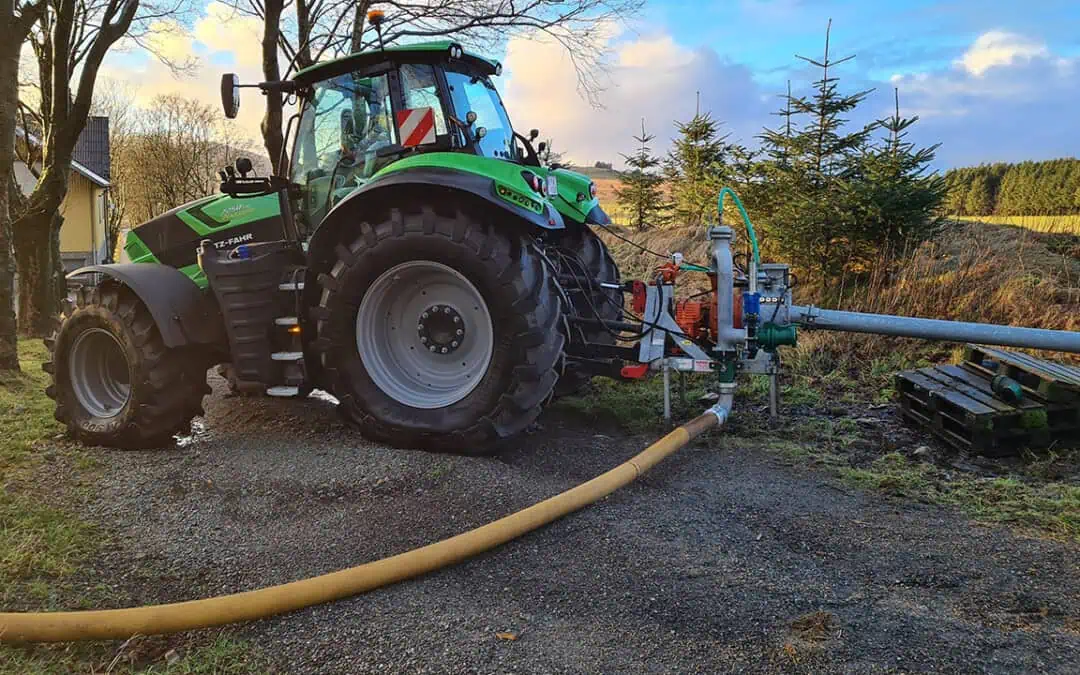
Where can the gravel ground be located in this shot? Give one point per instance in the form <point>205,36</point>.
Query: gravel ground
<point>719,560</point>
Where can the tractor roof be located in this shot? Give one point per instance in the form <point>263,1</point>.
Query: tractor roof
<point>423,52</point>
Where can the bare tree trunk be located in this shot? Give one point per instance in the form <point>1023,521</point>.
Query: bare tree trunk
<point>9,94</point>
<point>362,7</point>
<point>271,124</point>
<point>37,252</point>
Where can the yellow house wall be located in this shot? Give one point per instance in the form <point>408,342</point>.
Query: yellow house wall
<point>76,234</point>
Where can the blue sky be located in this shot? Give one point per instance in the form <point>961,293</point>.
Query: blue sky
<point>991,80</point>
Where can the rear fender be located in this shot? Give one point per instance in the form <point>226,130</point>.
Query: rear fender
<point>184,313</point>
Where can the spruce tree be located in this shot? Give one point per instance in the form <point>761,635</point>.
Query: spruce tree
<point>695,169</point>
<point>899,197</point>
<point>980,200</point>
<point>815,222</point>
<point>641,193</point>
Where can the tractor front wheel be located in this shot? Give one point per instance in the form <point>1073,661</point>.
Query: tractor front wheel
<point>439,331</point>
<point>114,382</point>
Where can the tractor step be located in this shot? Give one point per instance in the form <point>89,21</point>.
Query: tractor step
<point>287,356</point>
<point>283,391</point>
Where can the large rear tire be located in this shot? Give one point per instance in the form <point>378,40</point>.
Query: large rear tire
<point>438,331</point>
<point>114,381</point>
<point>581,255</point>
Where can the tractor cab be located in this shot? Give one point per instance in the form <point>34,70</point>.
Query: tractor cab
<point>361,113</point>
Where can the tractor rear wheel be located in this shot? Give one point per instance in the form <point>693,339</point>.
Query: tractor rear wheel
<point>438,331</point>
<point>584,263</point>
<point>114,382</point>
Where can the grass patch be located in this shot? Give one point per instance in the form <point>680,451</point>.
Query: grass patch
<point>1026,501</point>
<point>636,406</point>
<point>1053,508</point>
<point>147,655</point>
<point>44,548</point>
<point>37,541</point>
<point>1049,224</point>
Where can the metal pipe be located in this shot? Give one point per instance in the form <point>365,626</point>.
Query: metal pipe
<point>728,338</point>
<point>667,392</point>
<point>774,394</point>
<point>935,329</point>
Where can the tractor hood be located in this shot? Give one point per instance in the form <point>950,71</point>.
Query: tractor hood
<point>575,200</point>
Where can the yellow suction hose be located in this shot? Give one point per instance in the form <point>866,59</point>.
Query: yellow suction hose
<point>194,614</point>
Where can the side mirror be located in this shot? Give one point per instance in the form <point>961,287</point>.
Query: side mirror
<point>541,148</point>
<point>230,94</point>
<point>481,132</point>
<point>533,133</point>
<point>470,118</point>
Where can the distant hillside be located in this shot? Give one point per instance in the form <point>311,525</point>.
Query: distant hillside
<point>596,173</point>
<point>1047,188</point>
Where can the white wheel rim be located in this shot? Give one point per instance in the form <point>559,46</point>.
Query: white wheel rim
<point>424,334</point>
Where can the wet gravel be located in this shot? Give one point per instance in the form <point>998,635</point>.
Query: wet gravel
<point>705,565</point>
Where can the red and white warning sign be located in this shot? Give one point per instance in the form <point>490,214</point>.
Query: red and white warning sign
<point>416,126</point>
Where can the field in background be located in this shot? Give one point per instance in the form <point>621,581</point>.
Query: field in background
<point>1049,224</point>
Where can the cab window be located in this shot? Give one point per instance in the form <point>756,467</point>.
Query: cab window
<point>421,91</point>
<point>343,125</point>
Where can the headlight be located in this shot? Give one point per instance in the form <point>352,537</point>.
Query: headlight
<point>592,190</point>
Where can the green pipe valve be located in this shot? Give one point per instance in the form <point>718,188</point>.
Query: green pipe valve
<point>1007,389</point>
<point>770,336</point>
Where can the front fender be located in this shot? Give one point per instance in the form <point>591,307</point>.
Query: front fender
<point>183,312</point>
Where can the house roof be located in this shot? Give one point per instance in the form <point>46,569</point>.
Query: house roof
<point>92,148</point>
<point>91,153</point>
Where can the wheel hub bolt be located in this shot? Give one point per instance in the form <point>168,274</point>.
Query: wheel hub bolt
<point>441,329</point>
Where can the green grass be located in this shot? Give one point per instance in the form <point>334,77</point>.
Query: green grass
<point>1053,508</point>
<point>1031,500</point>
<point>635,407</point>
<point>156,656</point>
<point>44,548</point>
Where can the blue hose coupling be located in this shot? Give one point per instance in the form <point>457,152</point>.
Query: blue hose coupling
<point>751,303</point>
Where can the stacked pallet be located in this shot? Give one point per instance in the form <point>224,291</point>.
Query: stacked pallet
<point>958,404</point>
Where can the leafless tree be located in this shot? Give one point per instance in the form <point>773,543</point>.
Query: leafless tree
<point>70,39</point>
<point>116,100</point>
<point>16,20</point>
<point>172,155</point>
<point>306,31</point>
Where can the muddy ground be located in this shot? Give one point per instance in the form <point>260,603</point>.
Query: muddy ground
<point>722,559</point>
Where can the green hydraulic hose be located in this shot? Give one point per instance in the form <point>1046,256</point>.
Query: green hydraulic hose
<point>745,217</point>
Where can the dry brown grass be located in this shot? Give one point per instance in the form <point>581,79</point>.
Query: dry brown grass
<point>973,272</point>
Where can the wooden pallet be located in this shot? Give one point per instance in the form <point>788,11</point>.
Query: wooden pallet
<point>1045,379</point>
<point>957,404</point>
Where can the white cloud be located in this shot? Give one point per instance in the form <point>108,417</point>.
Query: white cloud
<point>999,48</point>
<point>220,37</point>
<point>648,76</point>
<point>1007,98</point>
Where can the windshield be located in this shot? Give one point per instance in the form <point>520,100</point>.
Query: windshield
<point>477,94</point>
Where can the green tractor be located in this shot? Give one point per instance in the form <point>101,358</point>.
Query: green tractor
<point>410,255</point>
